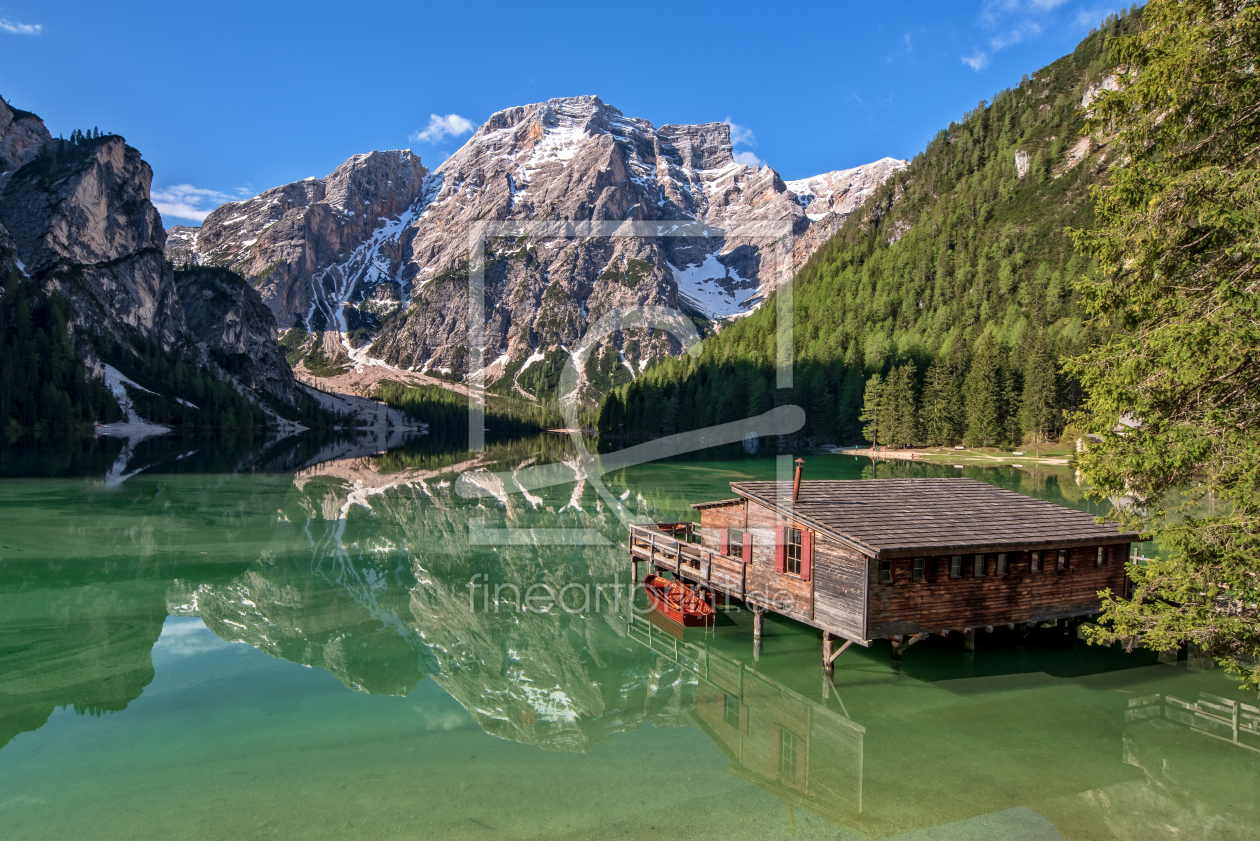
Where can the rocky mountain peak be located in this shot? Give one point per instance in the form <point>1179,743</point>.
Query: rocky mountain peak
<point>85,203</point>
<point>372,261</point>
<point>79,222</point>
<point>22,135</point>
<point>842,191</point>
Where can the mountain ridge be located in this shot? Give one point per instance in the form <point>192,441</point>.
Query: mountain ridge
<point>80,239</point>
<point>938,312</point>
<point>401,289</point>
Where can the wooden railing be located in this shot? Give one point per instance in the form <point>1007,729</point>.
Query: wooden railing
<point>669,546</point>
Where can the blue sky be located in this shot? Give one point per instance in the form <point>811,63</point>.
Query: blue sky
<point>231,98</point>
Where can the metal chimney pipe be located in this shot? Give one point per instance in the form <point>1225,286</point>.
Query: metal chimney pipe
<point>796,483</point>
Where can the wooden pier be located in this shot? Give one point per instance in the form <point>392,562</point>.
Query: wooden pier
<point>674,547</point>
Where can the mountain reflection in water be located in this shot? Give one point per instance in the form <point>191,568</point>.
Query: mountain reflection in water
<point>361,566</point>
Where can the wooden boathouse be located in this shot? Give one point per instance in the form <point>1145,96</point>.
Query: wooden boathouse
<point>893,559</point>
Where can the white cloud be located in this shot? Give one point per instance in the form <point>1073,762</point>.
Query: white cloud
<point>14,28</point>
<point>976,61</point>
<point>743,136</point>
<point>452,125</point>
<point>740,135</point>
<point>184,201</point>
<point>1025,31</point>
<point>1011,22</point>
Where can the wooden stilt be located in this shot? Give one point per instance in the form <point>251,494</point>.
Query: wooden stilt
<point>758,613</point>
<point>831,653</point>
<point>969,639</point>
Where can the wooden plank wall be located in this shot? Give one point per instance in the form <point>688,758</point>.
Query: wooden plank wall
<point>712,520</point>
<point>940,602</point>
<point>840,576</point>
<point>782,593</point>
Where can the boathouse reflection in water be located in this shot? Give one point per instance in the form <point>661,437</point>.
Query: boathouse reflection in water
<point>772,735</point>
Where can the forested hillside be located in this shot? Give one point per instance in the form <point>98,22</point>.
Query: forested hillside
<point>944,304</point>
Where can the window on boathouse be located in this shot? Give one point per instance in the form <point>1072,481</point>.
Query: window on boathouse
<point>1034,562</point>
<point>1001,563</point>
<point>919,563</point>
<point>792,556</point>
<point>1063,559</point>
<point>977,568</point>
<point>1101,557</point>
<point>955,566</point>
<point>885,572</point>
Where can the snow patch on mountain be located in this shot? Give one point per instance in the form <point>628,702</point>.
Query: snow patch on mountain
<point>713,289</point>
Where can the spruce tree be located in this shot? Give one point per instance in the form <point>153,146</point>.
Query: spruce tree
<point>934,418</point>
<point>1040,410</point>
<point>900,410</point>
<point>1178,248</point>
<point>872,409</point>
<point>984,396</point>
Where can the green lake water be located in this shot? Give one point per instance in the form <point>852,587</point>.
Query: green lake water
<point>303,646</point>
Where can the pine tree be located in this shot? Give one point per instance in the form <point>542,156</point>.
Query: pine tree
<point>1039,406</point>
<point>872,409</point>
<point>984,396</point>
<point>900,409</point>
<point>1179,268</point>
<point>934,410</point>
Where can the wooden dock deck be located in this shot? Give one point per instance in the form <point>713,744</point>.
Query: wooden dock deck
<point>671,546</point>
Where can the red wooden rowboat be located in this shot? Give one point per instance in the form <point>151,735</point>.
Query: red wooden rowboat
<point>675,600</point>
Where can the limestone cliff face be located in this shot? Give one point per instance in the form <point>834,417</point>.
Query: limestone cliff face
<point>383,245</point>
<point>22,134</point>
<point>296,239</point>
<point>80,216</point>
<point>81,223</point>
<point>231,325</point>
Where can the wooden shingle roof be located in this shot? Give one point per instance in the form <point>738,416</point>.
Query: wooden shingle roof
<point>930,515</point>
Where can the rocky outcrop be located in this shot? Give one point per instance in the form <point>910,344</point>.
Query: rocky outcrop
<point>80,216</point>
<point>233,327</point>
<point>22,134</point>
<point>297,241</point>
<point>382,246</point>
<point>829,199</point>
<point>181,245</point>
<point>81,223</point>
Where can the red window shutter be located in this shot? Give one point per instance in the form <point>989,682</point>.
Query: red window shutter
<point>748,547</point>
<point>780,547</point>
<point>807,553</point>
<point>724,541</point>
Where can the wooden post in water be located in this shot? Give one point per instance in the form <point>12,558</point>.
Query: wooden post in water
<point>969,639</point>
<point>634,572</point>
<point>828,647</point>
<point>757,619</point>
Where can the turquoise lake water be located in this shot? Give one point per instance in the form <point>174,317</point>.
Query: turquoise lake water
<point>244,650</point>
